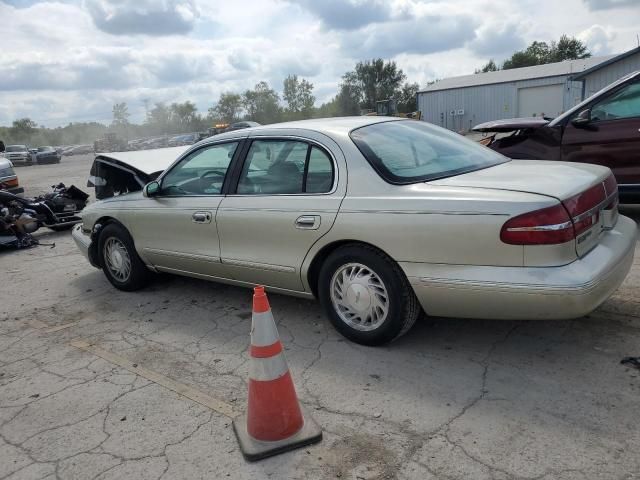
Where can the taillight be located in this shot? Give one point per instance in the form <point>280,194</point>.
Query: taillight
<point>541,227</point>
<point>11,183</point>
<point>611,186</point>
<point>585,207</point>
<point>565,221</point>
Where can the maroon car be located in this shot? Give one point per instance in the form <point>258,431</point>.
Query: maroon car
<point>604,129</point>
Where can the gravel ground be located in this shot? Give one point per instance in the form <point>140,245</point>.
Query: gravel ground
<point>89,382</point>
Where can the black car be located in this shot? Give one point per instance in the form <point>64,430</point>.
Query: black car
<point>241,125</point>
<point>47,155</point>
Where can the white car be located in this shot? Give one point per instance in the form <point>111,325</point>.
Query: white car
<point>378,217</point>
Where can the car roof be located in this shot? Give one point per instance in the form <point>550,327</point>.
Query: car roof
<point>330,126</point>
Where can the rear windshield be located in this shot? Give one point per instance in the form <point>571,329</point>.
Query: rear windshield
<point>410,151</point>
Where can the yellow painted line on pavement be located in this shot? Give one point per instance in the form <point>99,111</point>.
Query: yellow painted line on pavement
<point>60,327</point>
<point>37,324</point>
<point>155,377</point>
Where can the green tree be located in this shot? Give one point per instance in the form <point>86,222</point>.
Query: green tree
<point>568,48</point>
<point>261,104</point>
<point>22,129</point>
<point>120,114</point>
<point>373,80</point>
<point>159,118</point>
<point>540,53</point>
<point>298,95</point>
<point>490,66</point>
<point>406,98</point>
<point>228,108</point>
<point>184,116</point>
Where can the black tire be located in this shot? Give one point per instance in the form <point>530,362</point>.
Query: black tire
<point>403,308</point>
<point>139,275</point>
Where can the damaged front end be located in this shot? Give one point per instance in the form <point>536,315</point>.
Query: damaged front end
<point>522,138</point>
<point>118,173</point>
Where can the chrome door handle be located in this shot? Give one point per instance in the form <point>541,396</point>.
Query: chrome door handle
<point>308,222</point>
<point>201,217</point>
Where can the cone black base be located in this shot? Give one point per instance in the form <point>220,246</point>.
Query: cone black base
<point>253,449</point>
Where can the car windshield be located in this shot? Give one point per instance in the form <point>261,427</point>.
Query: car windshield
<point>412,151</point>
<point>45,149</point>
<point>16,148</point>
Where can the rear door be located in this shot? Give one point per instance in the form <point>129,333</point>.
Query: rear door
<point>612,138</point>
<point>286,197</point>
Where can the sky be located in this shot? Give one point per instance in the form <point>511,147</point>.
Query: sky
<point>70,61</point>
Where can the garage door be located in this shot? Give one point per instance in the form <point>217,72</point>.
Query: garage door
<point>536,101</point>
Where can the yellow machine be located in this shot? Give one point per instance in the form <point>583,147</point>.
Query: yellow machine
<point>389,108</point>
<point>217,128</point>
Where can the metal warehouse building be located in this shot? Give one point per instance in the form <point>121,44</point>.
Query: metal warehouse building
<point>459,103</point>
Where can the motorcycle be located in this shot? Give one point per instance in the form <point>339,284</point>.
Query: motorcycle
<point>20,217</point>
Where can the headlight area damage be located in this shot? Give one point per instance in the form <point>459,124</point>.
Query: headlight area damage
<point>117,173</point>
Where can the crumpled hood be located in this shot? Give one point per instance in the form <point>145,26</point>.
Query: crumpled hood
<point>560,180</point>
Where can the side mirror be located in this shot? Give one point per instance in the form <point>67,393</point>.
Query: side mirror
<point>151,189</point>
<point>582,119</point>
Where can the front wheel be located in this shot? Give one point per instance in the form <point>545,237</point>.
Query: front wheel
<point>120,262</point>
<point>366,295</point>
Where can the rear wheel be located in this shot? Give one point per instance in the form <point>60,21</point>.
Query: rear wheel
<point>120,261</point>
<point>366,295</point>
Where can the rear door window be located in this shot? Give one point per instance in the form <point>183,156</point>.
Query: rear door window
<point>279,167</point>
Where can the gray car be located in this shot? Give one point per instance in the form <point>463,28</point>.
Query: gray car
<point>18,155</point>
<point>379,218</point>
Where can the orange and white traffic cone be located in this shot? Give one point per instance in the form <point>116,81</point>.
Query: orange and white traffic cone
<point>275,421</point>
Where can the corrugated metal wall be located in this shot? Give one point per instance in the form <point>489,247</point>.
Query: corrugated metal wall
<point>606,75</point>
<point>487,102</point>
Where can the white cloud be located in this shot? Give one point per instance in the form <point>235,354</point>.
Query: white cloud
<point>146,17</point>
<point>347,14</point>
<point>70,60</point>
<point>598,39</point>
<point>424,35</point>
<point>608,4</point>
<point>498,40</point>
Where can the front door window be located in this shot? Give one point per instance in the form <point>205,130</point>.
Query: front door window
<point>623,104</point>
<point>200,173</point>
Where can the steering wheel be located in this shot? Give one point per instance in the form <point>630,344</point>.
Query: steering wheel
<point>217,173</point>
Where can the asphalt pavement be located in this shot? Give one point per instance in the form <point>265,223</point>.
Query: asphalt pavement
<point>101,384</point>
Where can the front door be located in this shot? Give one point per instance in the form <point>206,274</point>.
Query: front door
<point>612,138</point>
<point>176,229</point>
<point>287,197</point>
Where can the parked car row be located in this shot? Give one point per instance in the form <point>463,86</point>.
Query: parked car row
<point>22,155</point>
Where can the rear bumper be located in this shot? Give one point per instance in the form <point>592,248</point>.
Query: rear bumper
<point>513,293</point>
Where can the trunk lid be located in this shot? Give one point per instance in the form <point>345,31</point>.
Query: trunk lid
<point>510,124</point>
<point>588,192</point>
